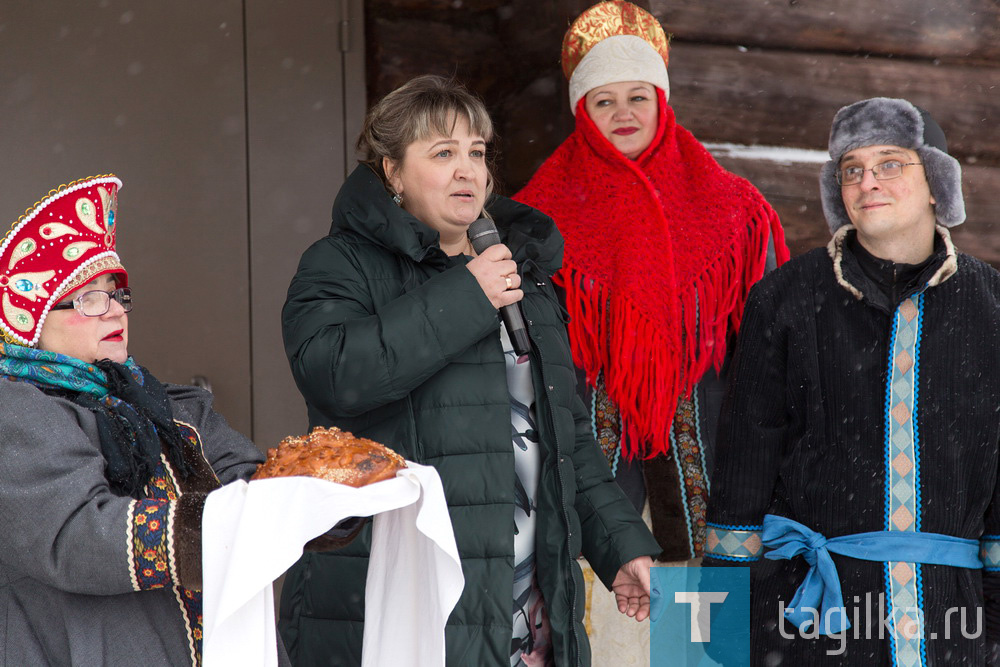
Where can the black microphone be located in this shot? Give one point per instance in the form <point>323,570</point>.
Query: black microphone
<point>483,234</point>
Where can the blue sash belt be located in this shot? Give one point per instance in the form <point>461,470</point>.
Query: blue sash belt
<point>820,592</point>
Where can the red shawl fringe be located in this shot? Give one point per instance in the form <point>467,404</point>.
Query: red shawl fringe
<point>643,365</point>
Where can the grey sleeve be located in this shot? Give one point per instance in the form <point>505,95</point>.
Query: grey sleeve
<point>60,522</point>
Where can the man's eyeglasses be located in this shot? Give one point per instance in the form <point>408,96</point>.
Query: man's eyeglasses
<point>885,171</point>
<point>98,302</point>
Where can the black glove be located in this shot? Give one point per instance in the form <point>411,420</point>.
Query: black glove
<point>339,536</point>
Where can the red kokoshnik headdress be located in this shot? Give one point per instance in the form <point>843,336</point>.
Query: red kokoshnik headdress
<point>60,244</point>
<point>660,256</point>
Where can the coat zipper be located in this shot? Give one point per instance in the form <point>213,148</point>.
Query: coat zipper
<point>562,495</point>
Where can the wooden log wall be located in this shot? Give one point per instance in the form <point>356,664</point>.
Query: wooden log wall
<point>507,51</point>
<point>774,73</point>
<point>745,72</point>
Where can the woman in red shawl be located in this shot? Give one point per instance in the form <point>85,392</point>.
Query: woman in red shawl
<point>662,246</point>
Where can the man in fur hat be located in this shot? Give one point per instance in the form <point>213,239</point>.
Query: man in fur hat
<point>858,445</point>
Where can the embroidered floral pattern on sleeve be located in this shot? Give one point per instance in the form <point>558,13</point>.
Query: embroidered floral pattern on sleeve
<point>151,534</point>
<point>190,602</point>
<point>150,538</point>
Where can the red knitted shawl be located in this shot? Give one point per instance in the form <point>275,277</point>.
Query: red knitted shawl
<point>660,255</point>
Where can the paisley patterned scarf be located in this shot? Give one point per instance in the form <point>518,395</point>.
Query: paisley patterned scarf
<point>133,415</point>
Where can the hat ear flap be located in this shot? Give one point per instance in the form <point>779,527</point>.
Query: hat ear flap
<point>944,176</point>
<point>831,197</point>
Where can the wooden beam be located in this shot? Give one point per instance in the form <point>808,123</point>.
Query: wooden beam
<point>777,98</point>
<point>958,30</point>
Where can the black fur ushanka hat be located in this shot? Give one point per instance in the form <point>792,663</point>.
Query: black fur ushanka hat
<point>895,122</point>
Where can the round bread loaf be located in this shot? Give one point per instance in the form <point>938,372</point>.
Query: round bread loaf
<point>333,455</point>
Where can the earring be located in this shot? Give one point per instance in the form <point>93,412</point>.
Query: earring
<point>397,199</point>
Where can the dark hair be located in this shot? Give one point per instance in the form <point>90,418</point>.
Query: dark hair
<point>421,108</point>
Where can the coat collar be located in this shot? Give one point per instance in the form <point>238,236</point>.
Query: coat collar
<point>364,206</point>
<point>946,264</point>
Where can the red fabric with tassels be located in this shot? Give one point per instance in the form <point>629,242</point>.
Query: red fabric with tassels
<point>660,255</point>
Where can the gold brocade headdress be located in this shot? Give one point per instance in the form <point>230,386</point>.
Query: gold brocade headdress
<point>614,41</point>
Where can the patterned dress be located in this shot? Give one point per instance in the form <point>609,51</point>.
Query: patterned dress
<point>530,640</point>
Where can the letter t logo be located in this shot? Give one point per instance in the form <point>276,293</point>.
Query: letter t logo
<point>701,603</point>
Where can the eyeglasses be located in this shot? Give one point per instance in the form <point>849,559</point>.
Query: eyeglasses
<point>98,302</point>
<point>885,171</point>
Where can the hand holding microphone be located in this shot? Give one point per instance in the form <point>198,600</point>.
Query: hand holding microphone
<point>497,275</point>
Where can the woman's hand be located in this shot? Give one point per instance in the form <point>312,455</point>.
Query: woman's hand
<point>631,588</point>
<point>497,275</point>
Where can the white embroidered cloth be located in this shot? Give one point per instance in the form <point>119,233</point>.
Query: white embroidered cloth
<point>253,532</point>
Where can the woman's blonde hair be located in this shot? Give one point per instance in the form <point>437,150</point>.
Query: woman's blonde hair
<point>421,108</point>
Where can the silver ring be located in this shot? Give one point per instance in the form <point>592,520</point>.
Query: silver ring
<point>510,283</point>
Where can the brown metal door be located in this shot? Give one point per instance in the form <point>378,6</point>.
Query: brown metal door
<point>226,122</point>
<point>302,127</point>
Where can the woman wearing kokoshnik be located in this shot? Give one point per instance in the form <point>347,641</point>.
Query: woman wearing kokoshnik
<point>104,471</point>
<point>662,246</point>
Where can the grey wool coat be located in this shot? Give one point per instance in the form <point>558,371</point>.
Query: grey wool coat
<point>88,577</point>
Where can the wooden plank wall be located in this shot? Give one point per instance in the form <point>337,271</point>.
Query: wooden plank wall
<point>507,51</point>
<point>747,72</point>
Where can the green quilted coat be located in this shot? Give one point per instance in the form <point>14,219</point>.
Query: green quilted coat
<point>391,339</point>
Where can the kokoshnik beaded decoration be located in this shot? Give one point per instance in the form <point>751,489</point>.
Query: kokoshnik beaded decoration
<point>60,244</point>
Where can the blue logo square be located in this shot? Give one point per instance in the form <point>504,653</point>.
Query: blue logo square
<point>699,617</point>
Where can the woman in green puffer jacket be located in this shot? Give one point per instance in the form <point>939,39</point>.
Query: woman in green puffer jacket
<point>392,332</point>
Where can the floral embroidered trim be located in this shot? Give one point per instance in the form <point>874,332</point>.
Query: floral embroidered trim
<point>190,601</point>
<point>191,607</point>
<point>686,444</point>
<point>162,485</point>
<point>150,537</point>
<point>606,424</point>
<point>738,543</point>
<point>151,531</point>
<point>193,437</point>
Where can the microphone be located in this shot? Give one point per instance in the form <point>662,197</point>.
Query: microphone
<point>483,234</point>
